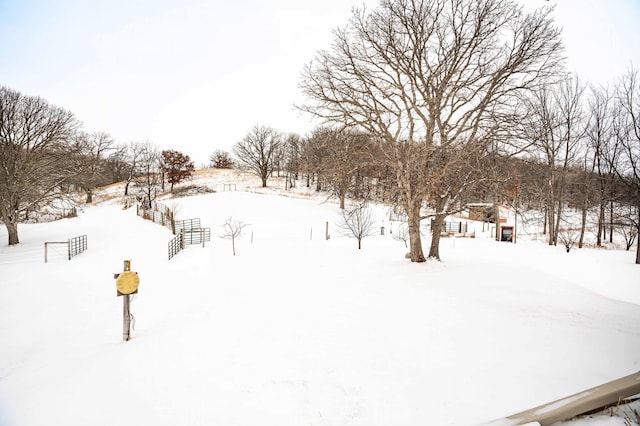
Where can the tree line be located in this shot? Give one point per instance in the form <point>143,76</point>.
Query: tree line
<point>451,101</point>
<point>425,104</point>
<point>46,155</point>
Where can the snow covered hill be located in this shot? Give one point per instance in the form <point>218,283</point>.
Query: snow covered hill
<point>299,330</point>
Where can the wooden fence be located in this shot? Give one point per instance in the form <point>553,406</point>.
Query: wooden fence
<point>188,231</point>
<point>157,213</point>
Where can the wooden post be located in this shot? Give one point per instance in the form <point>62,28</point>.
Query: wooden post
<point>126,313</point>
<point>326,232</point>
<point>126,317</point>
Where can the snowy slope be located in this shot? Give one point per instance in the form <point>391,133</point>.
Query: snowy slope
<point>299,330</point>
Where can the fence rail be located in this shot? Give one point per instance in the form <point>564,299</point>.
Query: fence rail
<point>598,397</point>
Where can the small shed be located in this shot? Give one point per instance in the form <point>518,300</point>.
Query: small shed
<point>501,215</point>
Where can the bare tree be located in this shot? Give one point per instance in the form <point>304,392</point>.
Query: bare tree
<point>556,126</point>
<point>600,138</point>
<point>34,154</point>
<point>91,154</point>
<point>402,234</point>
<point>291,156</point>
<point>568,238</point>
<point>628,137</point>
<point>232,229</point>
<point>314,156</point>
<point>430,80</point>
<point>221,160</point>
<point>258,151</point>
<point>357,221</point>
<point>131,158</point>
<point>149,176</point>
<point>341,155</point>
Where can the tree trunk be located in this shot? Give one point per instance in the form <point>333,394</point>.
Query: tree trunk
<point>436,230</point>
<point>12,230</point>
<point>611,222</point>
<point>89,198</point>
<point>415,240</point>
<point>558,217</point>
<point>583,224</point>
<point>638,238</point>
<point>600,224</point>
<point>496,216</point>
<point>551,216</point>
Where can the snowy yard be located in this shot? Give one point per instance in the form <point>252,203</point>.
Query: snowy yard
<point>299,330</point>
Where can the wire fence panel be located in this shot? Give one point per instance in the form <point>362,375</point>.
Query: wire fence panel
<point>158,213</point>
<point>196,235</point>
<point>455,227</point>
<point>186,225</point>
<point>77,245</point>
<point>175,245</point>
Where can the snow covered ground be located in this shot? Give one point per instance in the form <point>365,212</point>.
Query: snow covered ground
<point>299,330</point>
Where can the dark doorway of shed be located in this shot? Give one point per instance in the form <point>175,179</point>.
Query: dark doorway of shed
<point>506,233</point>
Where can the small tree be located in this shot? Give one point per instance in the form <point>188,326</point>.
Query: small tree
<point>177,166</point>
<point>232,229</point>
<point>568,238</point>
<point>221,160</point>
<point>402,234</point>
<point>357,221</point>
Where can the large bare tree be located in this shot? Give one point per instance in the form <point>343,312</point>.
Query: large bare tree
<point>431,80</point>
<point>34,154</point>
<point>258,151</point>
<point>344,153</point>
<point>91,152</point>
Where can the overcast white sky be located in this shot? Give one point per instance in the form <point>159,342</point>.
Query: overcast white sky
<point>196,75</point>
